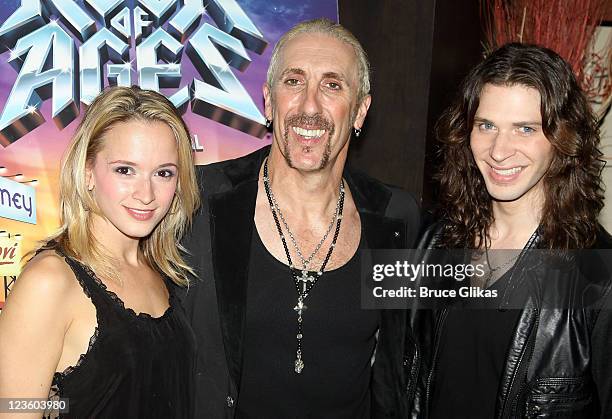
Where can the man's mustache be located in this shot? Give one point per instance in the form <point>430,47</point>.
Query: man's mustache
<point>316,121</point>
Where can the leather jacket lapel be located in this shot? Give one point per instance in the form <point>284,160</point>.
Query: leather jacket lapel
<point>371,200</point>
<point>517,361</point>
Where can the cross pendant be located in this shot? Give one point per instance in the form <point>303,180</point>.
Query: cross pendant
<point>300,307</point>
<point>305,279</point>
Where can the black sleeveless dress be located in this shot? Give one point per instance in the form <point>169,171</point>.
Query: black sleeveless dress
<point>136,366</point>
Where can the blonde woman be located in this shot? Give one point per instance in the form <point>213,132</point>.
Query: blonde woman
<point>93,318</point>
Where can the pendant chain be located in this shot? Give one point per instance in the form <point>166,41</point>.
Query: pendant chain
<point>274,205</point>
<point>304,279</point>
<point>502,268</point>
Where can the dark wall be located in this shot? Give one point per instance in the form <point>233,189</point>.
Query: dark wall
<point>419,51</point>
<point>397,35</point>
<point>457,48</point>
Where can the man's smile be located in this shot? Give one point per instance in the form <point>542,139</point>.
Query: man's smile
<point>308,133</point>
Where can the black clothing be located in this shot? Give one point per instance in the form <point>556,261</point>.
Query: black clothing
<point>220,243</point>
<point>136,366</point>
<point>558,363</point>
<point>473,347</point>
<point>338,343</point>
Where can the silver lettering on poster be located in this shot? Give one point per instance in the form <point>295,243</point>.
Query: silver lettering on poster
<point>65,52</point>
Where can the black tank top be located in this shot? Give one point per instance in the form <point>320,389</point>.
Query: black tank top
<point>136,366</point>
<point>338,344</point>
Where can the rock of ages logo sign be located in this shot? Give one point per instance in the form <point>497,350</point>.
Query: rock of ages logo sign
<point>61,50</point>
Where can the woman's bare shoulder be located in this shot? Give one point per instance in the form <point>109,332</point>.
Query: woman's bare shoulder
<point>37,313</point>
<point>46,276</point>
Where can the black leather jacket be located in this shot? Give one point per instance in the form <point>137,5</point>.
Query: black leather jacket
<point>559,363</point>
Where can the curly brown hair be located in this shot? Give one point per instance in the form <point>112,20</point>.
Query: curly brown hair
<point>572,184</point>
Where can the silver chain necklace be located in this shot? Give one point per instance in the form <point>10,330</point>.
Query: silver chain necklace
<point>305,261</point>
<point>304,279</point>
<point>501,268</point>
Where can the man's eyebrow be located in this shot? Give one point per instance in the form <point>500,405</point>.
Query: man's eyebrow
<point>333,75</point>
<point>522,123</point>
<point>514,124</point>
<point>293,71</point>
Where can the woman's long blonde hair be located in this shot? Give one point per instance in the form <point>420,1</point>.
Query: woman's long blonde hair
<point>161,249</point>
